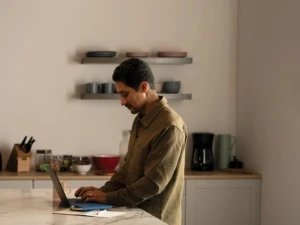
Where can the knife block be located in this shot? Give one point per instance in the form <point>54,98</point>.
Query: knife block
<point>18,161</point>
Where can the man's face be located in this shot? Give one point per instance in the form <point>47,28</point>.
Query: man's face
<point>130,98</point>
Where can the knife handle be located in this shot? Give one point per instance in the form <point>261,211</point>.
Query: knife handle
<point>29,145</point>
<point>29,141</point>
<point>23,142</point>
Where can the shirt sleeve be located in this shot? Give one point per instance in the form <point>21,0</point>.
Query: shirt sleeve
<point>116,182</point>
<point>159,168</point>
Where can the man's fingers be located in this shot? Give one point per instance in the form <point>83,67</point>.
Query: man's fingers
<point>78,191</point>
<point>87,198</point>
<point>82,190</point>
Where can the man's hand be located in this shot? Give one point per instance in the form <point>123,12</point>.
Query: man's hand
<point>91,194</point>
<point>82,190</point>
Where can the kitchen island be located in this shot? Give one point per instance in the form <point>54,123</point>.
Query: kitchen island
<point>233,196</point>
<point>35,206</point>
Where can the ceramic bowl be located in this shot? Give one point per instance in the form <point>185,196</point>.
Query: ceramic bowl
<point>101,54</point>
<point>171,86</point>
<point>82,169</point>
<point>106,163</point>
<point>172,54</point>
<point>137,54</point>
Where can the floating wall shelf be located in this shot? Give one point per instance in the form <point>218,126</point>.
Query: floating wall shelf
<point>151,60</point>
<point>117,96</point>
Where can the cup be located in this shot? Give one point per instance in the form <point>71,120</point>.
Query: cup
<point>225,144</point>
<point>92,88</point>
<point>67,189</point>
<point>108,88</point>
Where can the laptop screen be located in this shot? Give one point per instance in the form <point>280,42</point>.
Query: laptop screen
<point>58,187</point>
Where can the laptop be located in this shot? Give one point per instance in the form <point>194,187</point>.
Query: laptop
<point>73,203</point>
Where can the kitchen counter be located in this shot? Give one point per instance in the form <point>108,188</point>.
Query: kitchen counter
<point>92,175</point>
<point>31,207</point>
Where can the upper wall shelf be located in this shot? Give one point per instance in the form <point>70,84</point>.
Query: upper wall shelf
<point>149,60</point>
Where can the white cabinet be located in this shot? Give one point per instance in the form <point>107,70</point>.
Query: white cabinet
<point>183,204</point>
<point>15,184</point>
<point>47,184</point>
<point>183,210</point>
<point>223,201</point>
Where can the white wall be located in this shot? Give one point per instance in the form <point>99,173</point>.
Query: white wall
<point>39,76</point>
<point>268,105</point>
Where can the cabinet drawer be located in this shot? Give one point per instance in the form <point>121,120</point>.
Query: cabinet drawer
<point>16,184</point>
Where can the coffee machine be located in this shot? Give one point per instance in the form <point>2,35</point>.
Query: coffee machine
<point>202,158</point>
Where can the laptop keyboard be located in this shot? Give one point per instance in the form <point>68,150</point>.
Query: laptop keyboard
<point>74,200</point>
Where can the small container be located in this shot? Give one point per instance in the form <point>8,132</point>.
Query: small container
<point>235,163</point>
<point>42,159</point>
<point>39,159</point>
<point>55,162</point>
<point>66,163</point>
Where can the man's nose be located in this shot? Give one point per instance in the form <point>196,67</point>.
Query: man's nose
<point>123,101</point>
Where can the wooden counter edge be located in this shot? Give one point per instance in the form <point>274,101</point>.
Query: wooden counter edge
<point>225,176</point>
<point>189,174</point>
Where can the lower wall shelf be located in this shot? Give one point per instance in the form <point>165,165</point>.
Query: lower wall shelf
<point>178,96</point>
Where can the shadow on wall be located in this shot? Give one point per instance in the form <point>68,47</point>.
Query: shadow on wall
<point>76,94</point>
<point>5,150</point>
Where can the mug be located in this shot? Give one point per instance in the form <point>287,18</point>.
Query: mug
<point>92,88</point>
<point>108,88</point>
<point>225,144</point>
<point>67,189</point>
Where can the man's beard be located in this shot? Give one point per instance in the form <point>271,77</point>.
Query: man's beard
<point>132,109</point>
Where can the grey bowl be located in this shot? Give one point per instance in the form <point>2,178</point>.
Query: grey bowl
<point>171,86</point>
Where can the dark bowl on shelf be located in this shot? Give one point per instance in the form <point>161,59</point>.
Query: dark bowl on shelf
<point>101,54</point>
<point>171,86</point>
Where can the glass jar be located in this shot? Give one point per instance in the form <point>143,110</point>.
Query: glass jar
<point>55,162</point>
<point>66,163</point>
<point>41,159</point>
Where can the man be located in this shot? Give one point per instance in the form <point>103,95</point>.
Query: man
<point>153,174</point>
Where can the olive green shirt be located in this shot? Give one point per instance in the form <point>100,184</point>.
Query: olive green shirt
<point>152,177</point>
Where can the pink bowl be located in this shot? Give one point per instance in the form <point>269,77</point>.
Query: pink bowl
<point>107,163</point>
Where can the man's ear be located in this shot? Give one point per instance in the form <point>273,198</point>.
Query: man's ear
<point>144,87</point>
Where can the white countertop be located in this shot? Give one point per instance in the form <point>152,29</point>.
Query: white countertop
<point>35,206</point>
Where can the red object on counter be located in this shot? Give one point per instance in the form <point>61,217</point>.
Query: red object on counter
<point>107,163</point>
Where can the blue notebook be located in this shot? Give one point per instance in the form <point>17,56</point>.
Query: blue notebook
<point>89,206</point>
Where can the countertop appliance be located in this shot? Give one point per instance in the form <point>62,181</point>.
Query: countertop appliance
<point>202,157</point>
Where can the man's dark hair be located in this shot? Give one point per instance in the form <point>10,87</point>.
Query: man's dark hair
<point>132,72</point>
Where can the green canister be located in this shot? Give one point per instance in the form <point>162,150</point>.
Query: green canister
<point>225,144</point>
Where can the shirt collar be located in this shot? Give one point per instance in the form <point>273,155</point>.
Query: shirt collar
<point>146,120</point>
